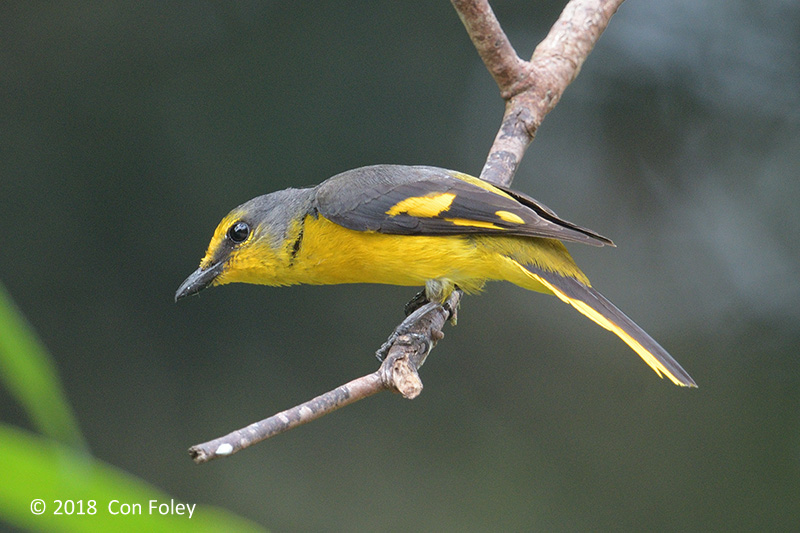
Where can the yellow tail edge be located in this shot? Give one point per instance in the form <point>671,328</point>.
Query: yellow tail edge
<point>597,308</point>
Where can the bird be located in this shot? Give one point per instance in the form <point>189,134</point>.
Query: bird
<point>414,226</point>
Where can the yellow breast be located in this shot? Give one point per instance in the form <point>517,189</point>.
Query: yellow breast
<point>332,254</point>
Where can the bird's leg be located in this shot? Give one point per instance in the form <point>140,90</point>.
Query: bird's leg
<point>406,327</point>
<point>435,291</point>
<point>411,325</point>
<point>416,302</point>
<point>452,309</point>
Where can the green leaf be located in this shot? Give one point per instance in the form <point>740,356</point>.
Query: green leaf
<point>28,371</point>
<point>35,467</point>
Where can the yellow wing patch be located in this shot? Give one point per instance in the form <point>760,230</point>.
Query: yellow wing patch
<point>509,217</point>
<point>472,223</point>
<point>480,183</point>
<point>600,320</point>
<point>423,206</point>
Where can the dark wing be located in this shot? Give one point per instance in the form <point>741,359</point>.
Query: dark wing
<point>407,200</point>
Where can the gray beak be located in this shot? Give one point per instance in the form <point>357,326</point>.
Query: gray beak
<point>199,280</point>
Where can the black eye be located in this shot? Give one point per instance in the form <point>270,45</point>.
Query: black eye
<point>239,232</point>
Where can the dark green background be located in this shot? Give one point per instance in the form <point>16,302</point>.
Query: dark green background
<point>128,129</point>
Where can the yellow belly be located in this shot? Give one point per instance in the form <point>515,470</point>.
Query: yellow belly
<point>331,254</point>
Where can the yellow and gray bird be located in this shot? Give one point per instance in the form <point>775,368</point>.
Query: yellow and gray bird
<point>414,225</point>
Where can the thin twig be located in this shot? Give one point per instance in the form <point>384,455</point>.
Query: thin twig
<point>531,90</point>
<point>286,420</point>
<point>412,342</point>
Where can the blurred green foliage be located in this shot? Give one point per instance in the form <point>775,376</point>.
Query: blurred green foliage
<point>77,491</point>
<point>29,373</point>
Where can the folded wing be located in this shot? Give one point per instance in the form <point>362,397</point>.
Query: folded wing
<point>432,201</point>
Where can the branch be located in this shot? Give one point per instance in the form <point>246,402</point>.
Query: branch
<point>531,89</point>
<point>510,72</point>
<point>406,351</point>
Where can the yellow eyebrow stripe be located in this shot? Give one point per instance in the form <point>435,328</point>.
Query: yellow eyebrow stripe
<point>472,223</point>
<point>423,206</point>
<point>509,217</point>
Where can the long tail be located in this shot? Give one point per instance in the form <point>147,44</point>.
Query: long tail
<point>595,306</point>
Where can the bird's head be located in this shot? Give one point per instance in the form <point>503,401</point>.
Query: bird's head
<point>250,243</point>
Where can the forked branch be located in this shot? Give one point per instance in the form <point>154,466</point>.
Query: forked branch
<point>531,89</point>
